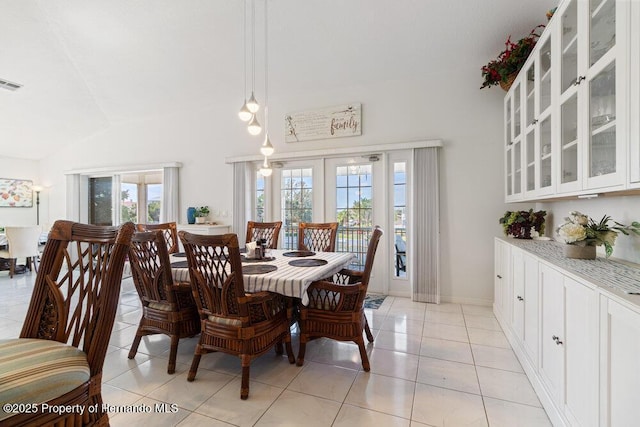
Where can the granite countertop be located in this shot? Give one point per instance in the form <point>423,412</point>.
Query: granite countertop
<point>606,273</point>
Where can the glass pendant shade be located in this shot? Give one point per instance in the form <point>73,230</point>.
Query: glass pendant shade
<point>266,170</point>
<point>244,113</point>
<point>267,148</point>
<point>254,127</point>
<point>252,104</point>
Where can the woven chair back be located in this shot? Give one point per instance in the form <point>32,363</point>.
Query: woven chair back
<point>264,230</point>
<point>169,232</point>
<point>318,237</point>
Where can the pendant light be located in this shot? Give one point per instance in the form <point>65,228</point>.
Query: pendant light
<point>254,127</point>
<point>252,104</point>
<point>266,170</point>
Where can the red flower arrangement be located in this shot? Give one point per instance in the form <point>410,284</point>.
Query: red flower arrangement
<point>510,60</point>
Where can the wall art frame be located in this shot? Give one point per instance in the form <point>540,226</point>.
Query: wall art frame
<point>16,193</point>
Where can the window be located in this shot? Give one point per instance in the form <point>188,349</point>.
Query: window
<point>296,198</point>
<point>354,210</point>
<point>100,201</point>
<point>154,203</point>
<point>129,202</point>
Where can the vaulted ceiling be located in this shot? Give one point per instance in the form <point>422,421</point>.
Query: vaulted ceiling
<point>87,65</point>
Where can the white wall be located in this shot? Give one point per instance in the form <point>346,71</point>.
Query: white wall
<point>28,170</point>
<point>448,106</point>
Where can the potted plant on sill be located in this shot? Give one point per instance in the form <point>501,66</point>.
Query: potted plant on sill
<point>504,69</point>
<point>202,213</point>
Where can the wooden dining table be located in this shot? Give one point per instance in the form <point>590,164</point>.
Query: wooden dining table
<point>287,279</point>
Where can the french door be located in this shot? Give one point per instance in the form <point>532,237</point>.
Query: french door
<point>358,193</point>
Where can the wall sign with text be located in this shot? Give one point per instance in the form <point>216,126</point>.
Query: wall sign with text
<point>332,122</point>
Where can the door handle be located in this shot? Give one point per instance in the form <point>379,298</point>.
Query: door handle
<point>520,298</point>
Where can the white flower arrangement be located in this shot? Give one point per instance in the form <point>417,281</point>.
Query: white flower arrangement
<point>579,229</point>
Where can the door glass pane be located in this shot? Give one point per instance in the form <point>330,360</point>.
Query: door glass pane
<point>400,218</point>
<point>569,56</point>
<point>354,211</point>
<point>154,202</point>
<point>128,202</point>
<point>545,152</point>
<point>545,75</point>
<point>602,155</point>
<point>100,202</point>
<point>603,28</point>
<point>508,122</point>
<point>259,197</point>
<point>569,143</point>
<point>296,198</point>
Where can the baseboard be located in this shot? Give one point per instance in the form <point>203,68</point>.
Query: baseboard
<point>467,301</point>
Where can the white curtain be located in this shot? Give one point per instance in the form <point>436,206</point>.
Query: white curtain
<point>73,197</point>
<point>170,206</point>
<point>241,185</point>
<point>116,202</point>
<point>426,202</point>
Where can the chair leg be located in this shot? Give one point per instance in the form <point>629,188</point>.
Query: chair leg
<point>172,354</point>
<point>290,356</point>
<point>12,267</point>
<point>363,354</point>
<point>367,330</point>
<point>35,263</point>
<point>194,363</point>
<point>301,350</point>
<point>279,348</point>
<point>244,386</point>
<point>136,341</point>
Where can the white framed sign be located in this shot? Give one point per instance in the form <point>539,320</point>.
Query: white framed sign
<point>333,122</point>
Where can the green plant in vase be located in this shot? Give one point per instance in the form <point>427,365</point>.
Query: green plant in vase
<point>523,224</point>
<point>201,214</point>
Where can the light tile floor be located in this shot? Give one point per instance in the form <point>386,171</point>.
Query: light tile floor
<point>431,365</point>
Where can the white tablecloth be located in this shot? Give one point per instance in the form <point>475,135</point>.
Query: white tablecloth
<point>286,280</point>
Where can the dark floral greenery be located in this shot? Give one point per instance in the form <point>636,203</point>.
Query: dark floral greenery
<point>510,60</point>
<point>519,224</point>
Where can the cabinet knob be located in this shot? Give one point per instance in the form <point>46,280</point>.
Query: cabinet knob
<point>520,298</point>
<point>556,339</point>
<point>499,276</point>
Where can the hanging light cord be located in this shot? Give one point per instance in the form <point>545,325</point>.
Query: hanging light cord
<point>266,68</point>
<point>244,46</point>
<point>253,45</point>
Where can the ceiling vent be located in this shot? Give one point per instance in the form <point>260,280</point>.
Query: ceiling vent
<point>4,84</point>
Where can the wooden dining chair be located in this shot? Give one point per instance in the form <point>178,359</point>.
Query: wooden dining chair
<point>167,308</point>
<point>335,308</point>
<point>169,231</point>
<point>22,242</point>
<point>319,237</point>
<point>233,322</point>
<point>59,356</point>
<point>264,230</point>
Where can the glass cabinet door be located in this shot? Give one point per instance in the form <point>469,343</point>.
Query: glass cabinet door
<point>545,75</point>
<point>602,140</point>
<point>546,180</point>
<point>569,54</point>
<point>569,140</point>
<point>602,149</point>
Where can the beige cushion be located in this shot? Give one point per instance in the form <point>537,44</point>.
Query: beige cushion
<point>36,371</point>
<point>225,321</point>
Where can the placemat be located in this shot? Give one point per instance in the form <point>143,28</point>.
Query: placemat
<point>179,255</point>
<point>258,268</point>
<point>312,262</point>
<point>299,253</point>
<point>265,259</point>
<point>179,264</point>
